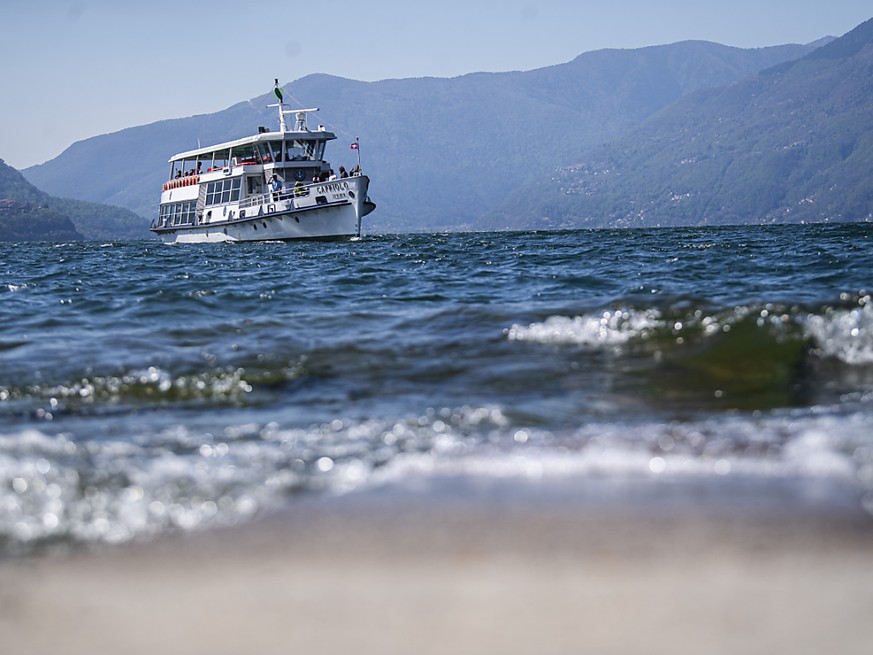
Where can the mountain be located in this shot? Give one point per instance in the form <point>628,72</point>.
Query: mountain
<point>792,144</point>
<point>28,214</point>
<point>24,216</point>
<point>22,221</point>
<point>440,152</point>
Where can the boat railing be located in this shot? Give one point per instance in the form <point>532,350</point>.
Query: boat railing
<point>185,180</point>
<point>301,191</point>
<point>253,201</point>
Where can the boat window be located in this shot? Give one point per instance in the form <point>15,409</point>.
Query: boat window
<point>182,168</point>
<point>220,159</point>
<point>223,191</point>
<point>177,213</point>
<point>276,147</point>
<point>254,185</point>
<point>245,155</point>
<point>316,149</point>
<point>264,152</point>
<point>294,151</point>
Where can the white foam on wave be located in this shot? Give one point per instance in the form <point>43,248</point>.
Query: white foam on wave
<point>609,328</point>
<point>53,488</point>
<point>846,334</point>
<point>835,448</point>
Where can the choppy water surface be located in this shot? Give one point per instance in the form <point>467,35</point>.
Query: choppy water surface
<point>146,388</point>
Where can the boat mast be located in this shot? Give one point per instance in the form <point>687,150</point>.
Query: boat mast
<point>299,114</point>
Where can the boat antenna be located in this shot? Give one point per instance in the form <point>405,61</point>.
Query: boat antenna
<point>299,114</point>
<point>277,91</point>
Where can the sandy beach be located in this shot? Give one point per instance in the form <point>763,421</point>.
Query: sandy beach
<point>474,571</point>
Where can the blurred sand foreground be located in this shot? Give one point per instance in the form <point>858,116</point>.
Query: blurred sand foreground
<point>481,575</point>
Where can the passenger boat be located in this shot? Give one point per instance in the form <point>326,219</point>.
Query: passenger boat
<point>269,186</point>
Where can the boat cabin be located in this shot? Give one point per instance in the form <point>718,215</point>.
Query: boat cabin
<point>236,175</point>
<point>290,156</point>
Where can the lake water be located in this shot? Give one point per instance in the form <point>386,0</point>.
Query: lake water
<point>147,388</point>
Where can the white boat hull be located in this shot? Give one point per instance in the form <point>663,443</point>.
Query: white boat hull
<point>337,217</point>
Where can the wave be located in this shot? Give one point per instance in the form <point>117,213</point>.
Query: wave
<point>56,491</point>
<point>845,334</point>
<point>744,357</point>
<point>149,386</point>
<point>198,386</point>
<point>842,333</point>
<point>609,328</point>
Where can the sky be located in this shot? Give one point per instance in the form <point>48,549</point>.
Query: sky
<point>72,69</point>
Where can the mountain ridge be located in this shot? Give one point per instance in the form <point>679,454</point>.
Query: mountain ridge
<point>792,144</point>
<point>440,151</point>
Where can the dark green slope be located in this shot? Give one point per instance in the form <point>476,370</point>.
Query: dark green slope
<point>23,221</point>
<point>794,144</point>
<point>28,214</point>
<point>24,215</point>
<point>440,151</point>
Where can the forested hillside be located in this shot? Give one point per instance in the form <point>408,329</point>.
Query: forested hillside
<point>792,144</point>
<point>28,214</point>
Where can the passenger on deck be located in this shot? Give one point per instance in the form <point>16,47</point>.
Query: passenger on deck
<point>275,187</point>
<point>343,172</point>
<point>331,176</point>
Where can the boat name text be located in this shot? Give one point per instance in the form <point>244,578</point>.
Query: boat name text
<point>333,187</point>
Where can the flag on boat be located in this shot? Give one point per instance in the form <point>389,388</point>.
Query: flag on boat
<point>278,92</point>
<point>355,145</point>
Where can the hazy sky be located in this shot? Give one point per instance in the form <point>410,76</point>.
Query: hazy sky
<point>77,68</point>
